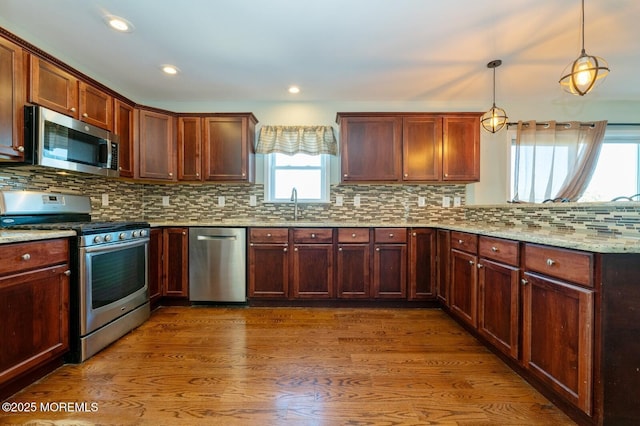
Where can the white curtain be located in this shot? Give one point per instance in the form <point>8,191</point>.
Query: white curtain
<point>312,140</point>
<point>555,160</point>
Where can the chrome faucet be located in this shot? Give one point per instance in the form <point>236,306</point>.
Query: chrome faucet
<point>294,198</point>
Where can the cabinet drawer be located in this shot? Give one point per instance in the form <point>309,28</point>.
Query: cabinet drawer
<point>313,235</point>
<point>353,235</point>
<point>505,251</point>
<point>574,266</point>
<point>465,242</point>
<point>390,235</point>
<point>269,235</point>
<point>15,258</point>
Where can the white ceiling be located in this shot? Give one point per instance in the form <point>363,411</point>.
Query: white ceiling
<point>336,50</point>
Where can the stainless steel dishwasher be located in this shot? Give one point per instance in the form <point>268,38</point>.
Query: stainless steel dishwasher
<point>217,265</point>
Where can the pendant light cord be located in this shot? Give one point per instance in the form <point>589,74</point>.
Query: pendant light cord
<point>582,26</point>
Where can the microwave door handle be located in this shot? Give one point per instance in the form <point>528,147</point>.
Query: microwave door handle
<point>104,153</point>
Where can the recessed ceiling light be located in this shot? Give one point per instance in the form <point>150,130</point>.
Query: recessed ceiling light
<point>119,24</point>
<point>294,89</point>
<point>170,69</point>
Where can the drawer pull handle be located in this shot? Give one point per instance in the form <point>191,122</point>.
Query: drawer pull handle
<point>524,282</point>
<point>460,241</point>
<point>494,249</point>
<point>551,262</point>
<point>26,256</point>
<point>67,272</point>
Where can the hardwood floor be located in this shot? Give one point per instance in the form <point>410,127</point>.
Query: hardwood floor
<point>315,366</point>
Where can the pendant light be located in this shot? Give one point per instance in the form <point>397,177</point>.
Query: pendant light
<point>583,74</point>
<point>494,119</point>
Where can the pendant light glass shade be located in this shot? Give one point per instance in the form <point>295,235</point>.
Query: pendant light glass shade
<point>496,118</point>
<point>585,73</point>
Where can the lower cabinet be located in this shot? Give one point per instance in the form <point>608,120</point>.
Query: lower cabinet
<point>422,264</point>
<point>34,301</point>
<point>156,267</point>
<point>353,264</point>
<point>390,263</point>
<point>175,254</point>
<point>268,263</point>
<point>463,296</point>
<point>443,253</point>
<point>312,263</point>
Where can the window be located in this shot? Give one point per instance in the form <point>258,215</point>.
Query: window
<point>309,174</point>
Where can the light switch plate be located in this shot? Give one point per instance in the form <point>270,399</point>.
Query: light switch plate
<point>105,200</point>
<point>356,201</point>
<point>252,200</point>
<point>421,202</point>
<point>165,200</point>
<point>221,201</point>
<point>339,200</point>
<point>456,201</point>
<point>446,201</point>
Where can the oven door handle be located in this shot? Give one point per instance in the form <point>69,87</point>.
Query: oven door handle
<point>115,246</point>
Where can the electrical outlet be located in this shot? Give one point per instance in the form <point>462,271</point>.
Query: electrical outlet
<point>253,200</point>
<point>446,201</point>
<point>105,200</point>
<point>422,202</point>
<point>339,200</point>
<point>456,201</point>
<point>165,200</point>
<point>221,201</point>
<point>356,201</point>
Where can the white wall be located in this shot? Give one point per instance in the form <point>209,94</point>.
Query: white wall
<point>494,148</point>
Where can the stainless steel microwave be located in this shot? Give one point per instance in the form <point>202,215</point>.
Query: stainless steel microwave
<point>60,141</point>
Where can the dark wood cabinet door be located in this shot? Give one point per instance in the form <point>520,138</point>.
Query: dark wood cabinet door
<point>443,266</point>
<point>422,148</point>
<point>176,262</point>
<point>558,335</point>
<point>313,271</point>
<point>461,148</point>
<point>499,305</point>
<point>422,264</point>
<point>157,146</point>
<point>269,270</point>
<point>353,271</point>
<point>390,271</point>
<point>228,148</point>
<point>156,268</point>
<point>96,106</point>
<point>464,286</point>
<point>123,119</point>
<point>53,87</point>
<point>35,322</point>
<point>12,100</point>
<point>371,149</point>
<point>189,148</point>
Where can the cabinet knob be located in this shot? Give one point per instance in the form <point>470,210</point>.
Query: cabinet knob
<point>471,262</point>
<point>244,174</point>
<point>550,262</point>
<point>390,235</point>
<point>295,249</point>
<point>524,282</point>
<point>184,233</point>
<point>480,265</point>
<point>170,174</point>
<point>85,115</point>
<point>353,235</point>
<point>446,175</point>
<point>414,234</point>
<point>460,241</point>
<point>197,174</point>
<point>20,149</point>
<point>72,109</point>
<point>313,235</point>
<point>406,175</point>
<point>269,235</point>
<point>345,175</point>
<point>67,272</point>
<point>26,256</point>
<point>377,248</point>
<point>494,249</point>
<point>285,250</point>
<point>339,248</point>
<point>251,244</point>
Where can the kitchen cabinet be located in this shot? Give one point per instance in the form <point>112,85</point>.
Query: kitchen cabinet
<point>12,100</point>
<point>390,263</point>
<point>422,264</point>
<point>34,300</point>
<point>312,271</point>
<point>175,253</point>
<point>499,293</point>
<point>463,296</point>
<point>123,127</point>
<point>157,146</point>
<point>156,266</point>
<point>558,321</point>
<point>217,147</point>
<point>353,263</point>
<point>269,263</point>
<point>56,89</point>
<point>410,147</point>
<point>443,267</point>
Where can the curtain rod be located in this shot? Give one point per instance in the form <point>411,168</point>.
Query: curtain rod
<point>544,123</point>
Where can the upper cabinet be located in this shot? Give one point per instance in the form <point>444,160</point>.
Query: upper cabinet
<point>123,127</point>
<point>157,146</point>
<point>12,99</point>
<point>410,147</point>
<point>56,89</point>
<point>216,147</point>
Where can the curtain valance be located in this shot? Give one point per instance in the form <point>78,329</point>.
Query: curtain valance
<point>312,140</point>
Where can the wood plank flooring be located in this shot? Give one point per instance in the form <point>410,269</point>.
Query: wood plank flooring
<point>291,366</point>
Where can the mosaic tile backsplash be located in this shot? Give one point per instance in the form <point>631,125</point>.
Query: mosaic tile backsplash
<point>378,203</point>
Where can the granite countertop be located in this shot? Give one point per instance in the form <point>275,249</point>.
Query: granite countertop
<point>579,240</point>
<point>15,236</point>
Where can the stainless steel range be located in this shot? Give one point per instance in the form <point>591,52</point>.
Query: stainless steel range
<point>109,293</point>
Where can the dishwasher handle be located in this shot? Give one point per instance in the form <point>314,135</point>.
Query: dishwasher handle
<point>216,237</point>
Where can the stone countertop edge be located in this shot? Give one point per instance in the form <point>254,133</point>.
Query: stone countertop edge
<point>15,236</point>
<point>578,240</point>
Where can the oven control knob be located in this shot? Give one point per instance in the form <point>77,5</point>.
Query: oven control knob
<point>122,236</point>
<point>143,233</point>
<point>97,239</point>
<point>134,234</point>
<point>107,238</point>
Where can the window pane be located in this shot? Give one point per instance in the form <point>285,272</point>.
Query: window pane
<point>616,173</point>
<point>297,160</point>
<point>307,182</point>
